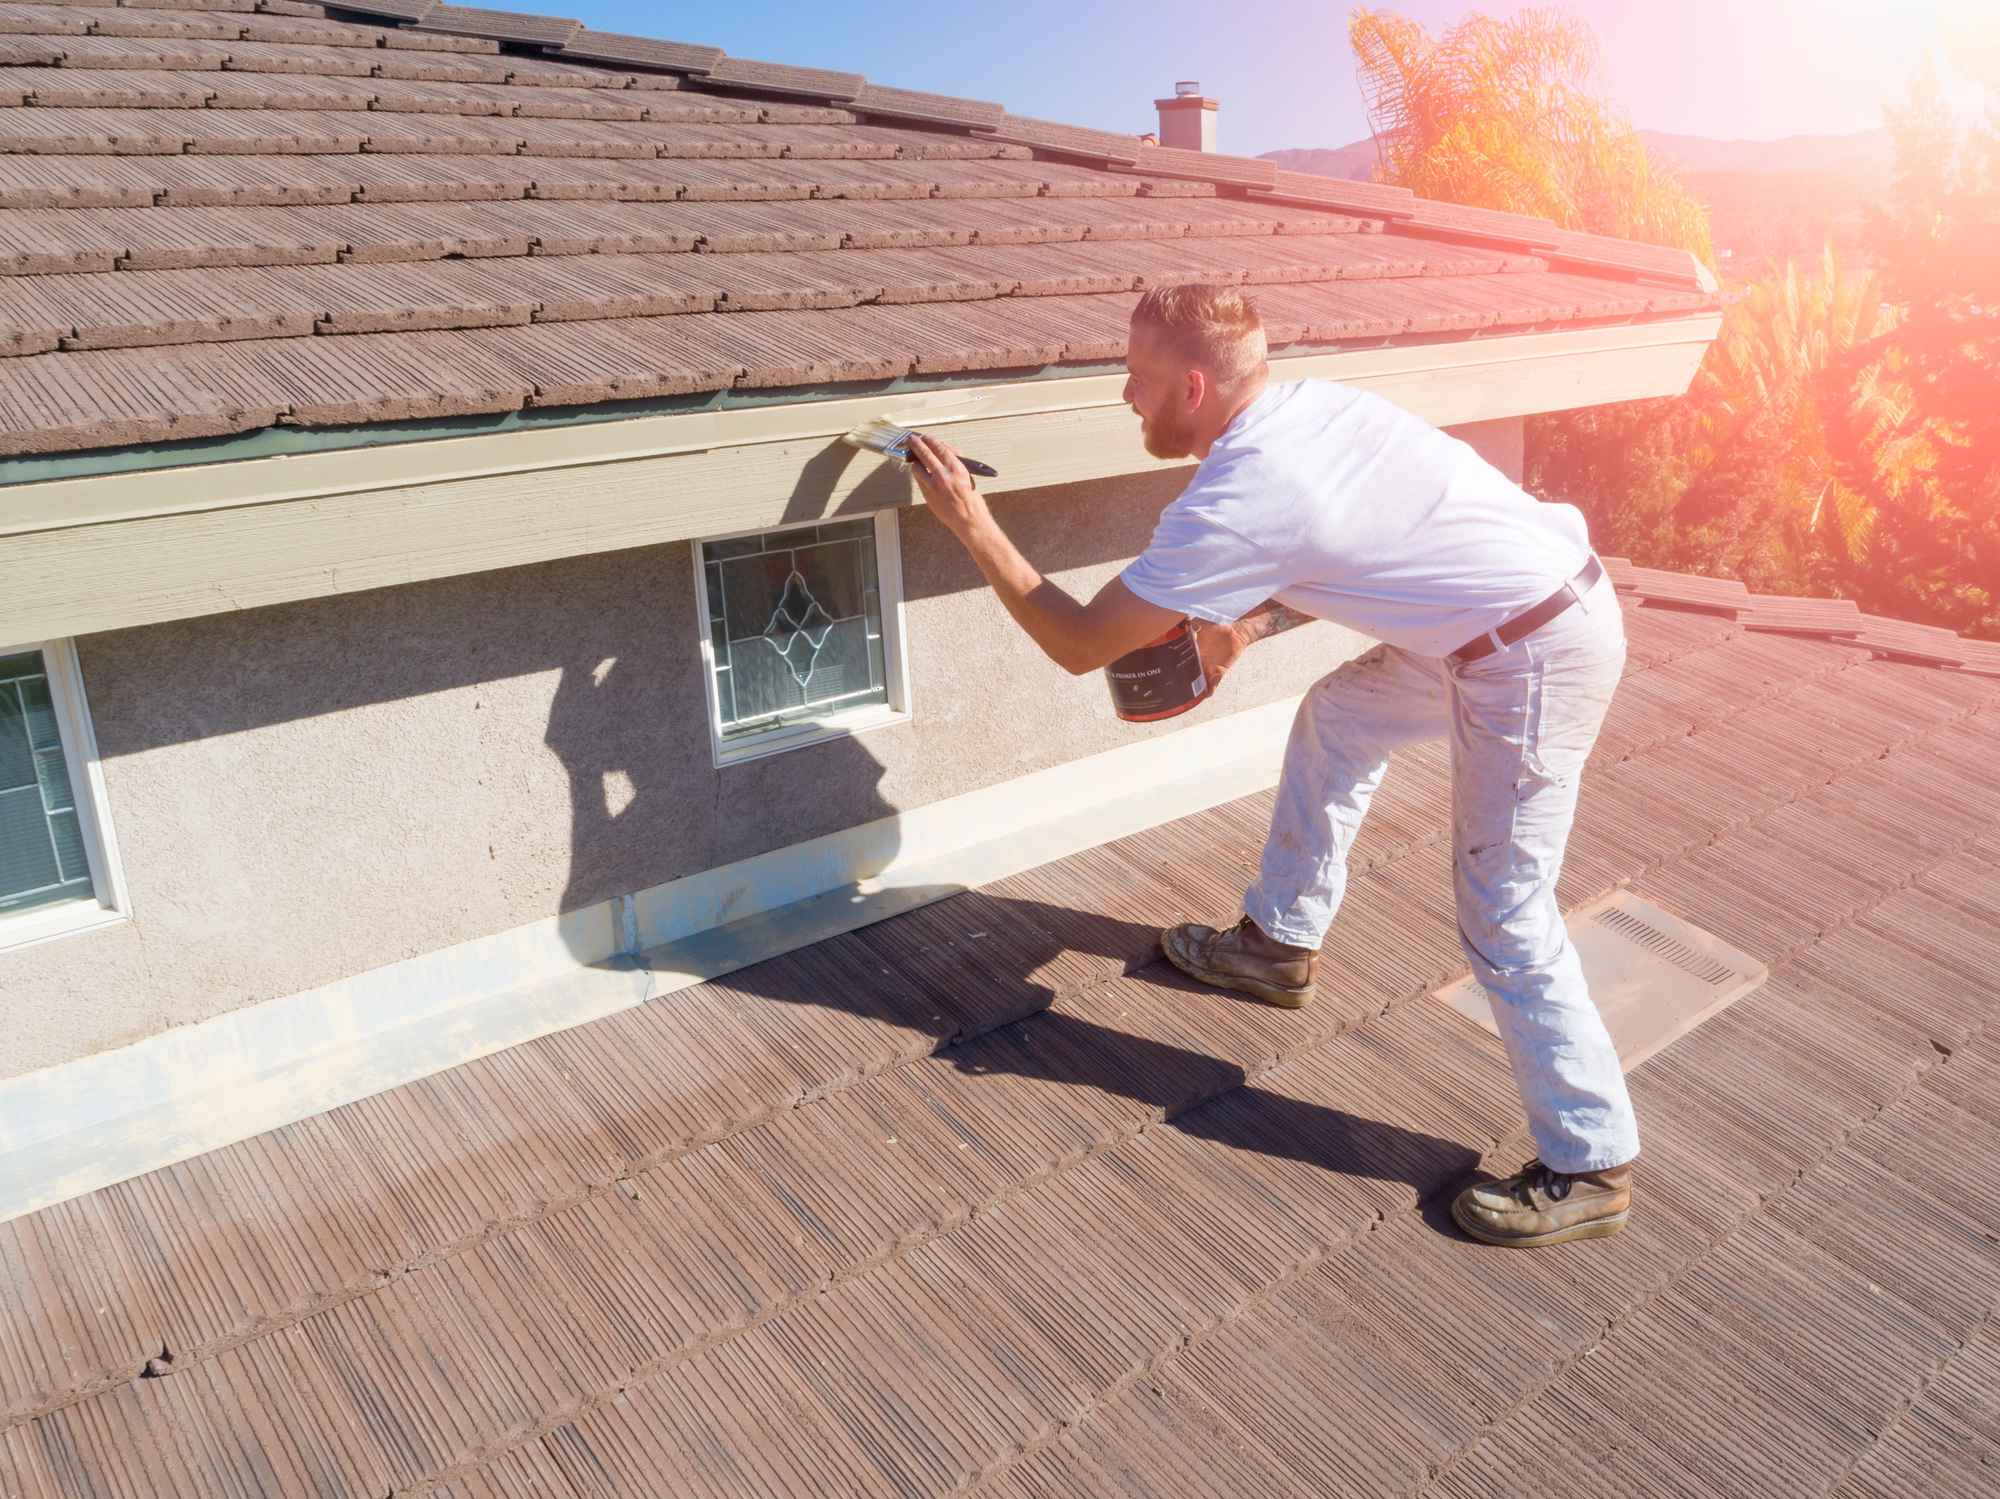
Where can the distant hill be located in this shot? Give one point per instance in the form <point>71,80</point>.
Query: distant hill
<point>1356,162</point>
<point>1867,153</point>
<point>1767,200</point>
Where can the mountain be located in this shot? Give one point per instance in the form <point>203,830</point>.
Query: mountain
<point>1356,162</point>
<point>1867,154</point>
<point>1768,201</point>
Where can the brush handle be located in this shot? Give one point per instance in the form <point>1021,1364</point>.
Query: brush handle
<point>972,465</point>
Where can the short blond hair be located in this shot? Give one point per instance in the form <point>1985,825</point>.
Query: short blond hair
<point>1215,327</point>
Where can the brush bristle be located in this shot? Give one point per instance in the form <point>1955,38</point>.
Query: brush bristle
<point>879,436</point>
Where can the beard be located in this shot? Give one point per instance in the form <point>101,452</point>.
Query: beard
<point>1168,435</point>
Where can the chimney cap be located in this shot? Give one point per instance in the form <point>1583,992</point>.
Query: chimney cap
<point>1187,88</point>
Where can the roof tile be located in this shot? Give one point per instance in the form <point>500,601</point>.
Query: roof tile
<point>1910,642</point>
<point>318,33</point>
<point>286,91</point>
<point>1720,595</point>
<point>1480,223</point>
<point>74,182</point>
<point>1366,198</point>
<point>28,52</point>
<point>500,25</point>
<point>1068,140</point>
<point>640,51</point>
<point>441,67</point>
<point>1207,166</point>
<point>1781,614</point>
<point>48,21</point>
<point>931,109</point>
<point>1602,252</point>
<point>62,402</point>
<point>399,10</point>
<point>103,88</point>
<point>783,78</point>
<point>811,348</point>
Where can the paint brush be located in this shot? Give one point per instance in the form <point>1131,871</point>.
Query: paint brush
<point>891,441</point>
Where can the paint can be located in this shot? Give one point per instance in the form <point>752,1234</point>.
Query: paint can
<point>1160,679</point>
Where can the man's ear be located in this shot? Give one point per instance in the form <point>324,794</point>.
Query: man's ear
<point>1197,387</point>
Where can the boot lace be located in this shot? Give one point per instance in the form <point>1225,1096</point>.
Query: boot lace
<point>1537,1177</point>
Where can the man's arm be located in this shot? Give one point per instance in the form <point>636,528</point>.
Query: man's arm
<point>1269,618</point>
<point>1077,637</point>
<point>1222,645</point>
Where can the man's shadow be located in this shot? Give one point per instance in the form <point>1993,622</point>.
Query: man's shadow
<point>984,973</point>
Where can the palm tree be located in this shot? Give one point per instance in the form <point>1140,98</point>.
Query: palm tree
<point>1780,432</point>
<point>1497,113</point>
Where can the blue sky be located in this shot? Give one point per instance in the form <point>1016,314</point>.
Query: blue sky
<point>1730,68</point>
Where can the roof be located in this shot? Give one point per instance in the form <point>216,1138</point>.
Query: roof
<point>224,215</point>
<point>985,1193</point>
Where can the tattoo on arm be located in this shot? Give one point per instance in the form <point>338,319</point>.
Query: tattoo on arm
<point>1272,618</point>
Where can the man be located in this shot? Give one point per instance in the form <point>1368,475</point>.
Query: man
<point>1498,629</point>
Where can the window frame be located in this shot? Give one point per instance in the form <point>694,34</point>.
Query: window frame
<point>848,722</point>
<point>109,902</point>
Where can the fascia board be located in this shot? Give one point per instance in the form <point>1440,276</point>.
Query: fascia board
<point>127,549</point>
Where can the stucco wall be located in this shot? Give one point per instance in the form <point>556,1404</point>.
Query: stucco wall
<point>305,792</point>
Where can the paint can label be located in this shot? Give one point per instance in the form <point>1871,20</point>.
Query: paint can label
<point>1160,679</point>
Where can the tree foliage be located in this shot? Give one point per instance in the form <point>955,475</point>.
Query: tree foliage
<point>1499,114</point>
<point>1843,434</point>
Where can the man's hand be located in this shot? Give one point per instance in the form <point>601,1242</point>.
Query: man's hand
<point>1220,646</point>
<point>947,486</point>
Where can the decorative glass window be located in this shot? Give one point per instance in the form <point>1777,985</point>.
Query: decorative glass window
<point>57,867</point>
<point>802,634</point>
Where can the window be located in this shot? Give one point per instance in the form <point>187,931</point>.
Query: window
<point>58,867</point>
<point>802,634</point>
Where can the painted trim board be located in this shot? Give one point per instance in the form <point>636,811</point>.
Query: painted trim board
<point>132,549</point>
<point>82,1125</point>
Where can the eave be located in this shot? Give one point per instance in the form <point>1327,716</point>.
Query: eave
<point>118,550</point>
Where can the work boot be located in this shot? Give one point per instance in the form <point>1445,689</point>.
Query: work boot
<point>1539,1206</point>
<point>1244,959</point>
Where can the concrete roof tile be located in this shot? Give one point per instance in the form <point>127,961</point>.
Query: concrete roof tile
<point>396,10</point>
<point>74,182</point>
<point>935,109</point>
<point>1207,166</point>
<point>1068,140</point>
<point>784,78</point>
<point>640,51</point>
<point>572,364</point>
<point>441,67</point>
<point>48,21</point>
<point>500,25</point>
<point>104,88</point>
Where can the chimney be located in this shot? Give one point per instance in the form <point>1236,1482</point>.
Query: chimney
<point>1187,120</point>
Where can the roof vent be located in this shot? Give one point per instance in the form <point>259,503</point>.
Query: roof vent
<point>1187,120</point>
<point>1654,977</point>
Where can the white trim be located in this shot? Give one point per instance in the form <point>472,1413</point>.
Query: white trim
<point>109,902</point>
<point>1427,377</point>
<point>73,1128</point>
<point>82,555</point>
<point>846,723</point>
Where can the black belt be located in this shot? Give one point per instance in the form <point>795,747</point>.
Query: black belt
<point>1530,620</point>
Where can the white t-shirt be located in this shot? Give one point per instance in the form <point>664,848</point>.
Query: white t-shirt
<point>1342,505</point>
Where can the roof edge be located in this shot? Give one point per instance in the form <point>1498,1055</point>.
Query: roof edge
<point>277,530</point>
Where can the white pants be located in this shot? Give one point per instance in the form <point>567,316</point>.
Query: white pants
<point>1522,721</point>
